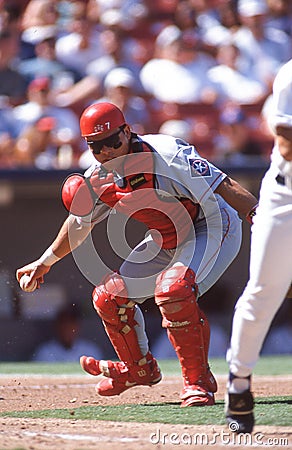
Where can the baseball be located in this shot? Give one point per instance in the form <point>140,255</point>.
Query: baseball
<point>24,283</point>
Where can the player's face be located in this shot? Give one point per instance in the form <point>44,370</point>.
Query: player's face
<point>110,146</point>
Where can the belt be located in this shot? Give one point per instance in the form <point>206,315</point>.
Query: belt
<point>284,181</point>
<point>280,180</point>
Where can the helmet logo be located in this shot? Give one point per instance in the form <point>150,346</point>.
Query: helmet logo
<point>102,127</point>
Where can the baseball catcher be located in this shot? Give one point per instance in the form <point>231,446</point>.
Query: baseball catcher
<point>191,209</point>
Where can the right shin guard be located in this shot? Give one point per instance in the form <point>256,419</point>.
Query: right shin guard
<point>117,313</point>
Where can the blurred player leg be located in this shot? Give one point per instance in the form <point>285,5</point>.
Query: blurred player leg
<point>270,278</point>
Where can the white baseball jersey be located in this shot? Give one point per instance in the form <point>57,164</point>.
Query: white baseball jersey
<point>282,115</point>
<point>271,245</point>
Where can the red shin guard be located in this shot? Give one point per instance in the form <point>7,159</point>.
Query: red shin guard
<point>187,327</point>
<point>117,313</point>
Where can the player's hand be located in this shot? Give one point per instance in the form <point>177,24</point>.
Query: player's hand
<point>35,270</point>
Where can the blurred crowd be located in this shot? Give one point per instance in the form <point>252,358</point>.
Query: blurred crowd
<point>197,69</point>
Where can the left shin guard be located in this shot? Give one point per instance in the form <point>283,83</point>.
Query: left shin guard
<point>187,327</point>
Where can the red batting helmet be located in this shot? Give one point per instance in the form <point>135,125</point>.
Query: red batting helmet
<point>100,118</point>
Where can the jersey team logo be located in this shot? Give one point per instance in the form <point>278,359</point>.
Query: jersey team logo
<point>200,166</point>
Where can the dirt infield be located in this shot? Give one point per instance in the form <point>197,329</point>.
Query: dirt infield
<point>39,392</point>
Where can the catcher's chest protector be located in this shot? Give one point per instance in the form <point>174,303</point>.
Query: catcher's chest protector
<point>136,195</point>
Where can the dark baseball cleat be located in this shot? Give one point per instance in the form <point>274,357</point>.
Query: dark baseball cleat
<point>239,412</point>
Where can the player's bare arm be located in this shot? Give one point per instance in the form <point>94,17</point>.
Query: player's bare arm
<point>237,196</point>
<point>70,236</point>
<point>284,141</point>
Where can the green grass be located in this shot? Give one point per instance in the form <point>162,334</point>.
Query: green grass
<point>279,365</point>
<point>34,368</point>
<point>268,410</point>
<point>269,365</point>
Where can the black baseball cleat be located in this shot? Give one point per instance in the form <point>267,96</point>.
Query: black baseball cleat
<point>239,412</point>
